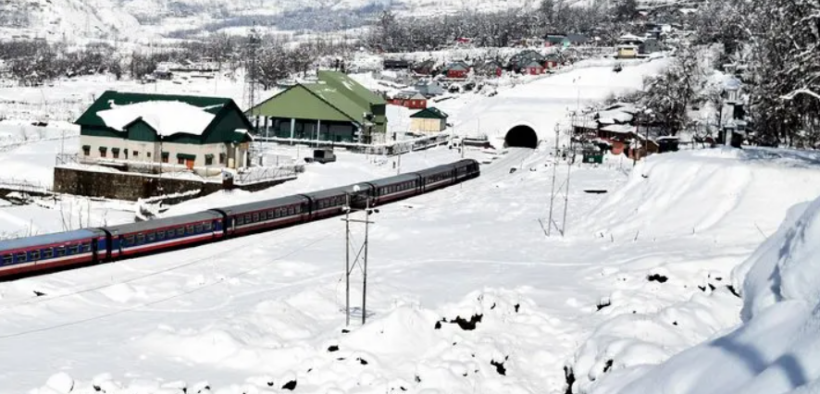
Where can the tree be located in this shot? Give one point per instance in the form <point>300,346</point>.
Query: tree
<point>547,11</point>
<point>626,10</point>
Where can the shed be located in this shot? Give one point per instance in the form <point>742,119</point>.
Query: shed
<point>429,120</point>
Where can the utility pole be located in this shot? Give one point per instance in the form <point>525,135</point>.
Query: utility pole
<point>554,175</point>
<point>352,200</point>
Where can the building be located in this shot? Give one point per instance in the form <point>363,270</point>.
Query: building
<point>427,67</point>
<point>577,39</point>
<point>532,68</point>
<point>561,40</point>
<point>428,120</point>
<point>628,46</point>
<point>524,57</point>
<point>335,108</point>
<point>457,70</point>
<point>649,46</point>
<point>490,68</point>
<point>551,61</point>
<point>409,98</point>
<point>398,64</point>
<point>429,88</point>
<point>154,128</point>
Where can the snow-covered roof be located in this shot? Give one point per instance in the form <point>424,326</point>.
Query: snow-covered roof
<point>166,117</point>
<point>630,38</point>
<point>614,116</point>
<point>619,128</point>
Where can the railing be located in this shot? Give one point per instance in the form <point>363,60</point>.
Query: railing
<point>251,175</point>
<point>22,185</point>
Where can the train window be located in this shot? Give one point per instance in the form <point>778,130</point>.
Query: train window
<point>48,253</point>
<point>152,237</point>
<point>247,218</point>
<point>129,240</point>
<point>75,249</point>
<point>256,217</point>
<point>86,248</point>
<point>60,252</point>
<point>290,211</point>
<point>207,226</point>
<point>35,255</point>
<point>180,231</point>
<point>20,257</point>
<point>7,259</point>
<point>189,229</point>
<point>199,228</point>
<point>140,238</point>
<point>160,234</point>
<point>239,221</point>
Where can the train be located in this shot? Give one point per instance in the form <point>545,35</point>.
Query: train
<point>88,246</point>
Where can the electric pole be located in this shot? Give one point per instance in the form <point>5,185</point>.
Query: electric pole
<point>554,175</point>
<point>354,200</point>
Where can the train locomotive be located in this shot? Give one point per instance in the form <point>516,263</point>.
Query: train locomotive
<point>50,252</point>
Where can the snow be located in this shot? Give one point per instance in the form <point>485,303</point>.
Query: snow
<point>642,274</point>
<point>166,117</point>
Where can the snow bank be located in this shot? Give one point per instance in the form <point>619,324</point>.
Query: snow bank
<point>777,348</point>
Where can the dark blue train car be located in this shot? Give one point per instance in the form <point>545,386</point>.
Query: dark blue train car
<point>265,215</point>
<point>162,234</point>
<point>50,251</point>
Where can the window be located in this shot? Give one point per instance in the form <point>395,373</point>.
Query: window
<point>180,232</point>
<point>7,259</point>
<point>86,248</point>
<point>207,226</point>
<point>152,237</point>
<point>239,220</point>
<point>255,217</point>
<point>160,234</point>
<point>75,249</point>
<point>129,240</point>
<point>199,228</point>
<point>103,151</point>
<point>209,160</point>
<point>189,229</point>
<point>60,252</point>
<point>248,218</point>
<point>35,255</point>
<point>136,154</point>
<point>20,257</point>
<point>180,160</point>
<point>48,253</point>
<point>291,211</point>
<point>164,156</point>
<point>86,150</point>
<point>148,154</point>
<point>221,158</point>
<point>115,154</point>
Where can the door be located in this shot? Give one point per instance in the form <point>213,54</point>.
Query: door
<point>189,164</point>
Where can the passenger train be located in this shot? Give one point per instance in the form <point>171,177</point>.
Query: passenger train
<point>70,249</point>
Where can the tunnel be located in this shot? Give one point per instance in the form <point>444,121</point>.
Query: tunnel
<point>521,136</point>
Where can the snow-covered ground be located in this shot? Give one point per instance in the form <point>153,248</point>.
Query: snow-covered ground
<point>465,292</point>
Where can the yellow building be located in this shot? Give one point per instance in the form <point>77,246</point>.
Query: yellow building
<point>428,120</point>
<point>627,51</point>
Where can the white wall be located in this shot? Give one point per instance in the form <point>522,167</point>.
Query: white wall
<point>144,148</point>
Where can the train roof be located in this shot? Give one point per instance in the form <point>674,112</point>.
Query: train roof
<point>265,204</point>
<point>337,190</point>
<point>164,222</point>
<point>436,169</point>
<point>394,179</point>
<point>47,239</point>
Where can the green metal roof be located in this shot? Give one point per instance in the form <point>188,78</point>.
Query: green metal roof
<point>430,113</point>
<point>90,118</point>
<point>350,88</point>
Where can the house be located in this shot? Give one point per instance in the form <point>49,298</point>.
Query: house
<point>429,88</point>
<point>334,108</point>
<point>551,61</point>
<point>555,39</point>
<point>577,39</point>
<point>649,46</point>
<point>628,45</point>
<point>490,68</point>
<point>517,61</point>
<point>426,67</point>
<point>193,131</point>
<point>457,70</point>
<point>409,98</point>
<point>428,120</point>
<point>532,68</point>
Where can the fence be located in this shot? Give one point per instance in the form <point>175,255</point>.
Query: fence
<point>390,148</point>
<point>252,175</point>
<point>22,185</point>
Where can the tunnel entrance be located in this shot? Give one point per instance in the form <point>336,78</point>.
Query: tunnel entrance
<point>521,136</point>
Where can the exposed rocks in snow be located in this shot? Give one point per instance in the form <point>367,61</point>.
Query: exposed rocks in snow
<point>362,361</point>
<point>291,385</point>
<point>39,293</point>
<point>608,365</point>
<point>333,348</point>
<point>603,303</point>
<point>468,325</point>
<point>499,366</point>
<point>516,307</point>
<point>733,291</point>
<point>657,278</point>
<point>569,378</point>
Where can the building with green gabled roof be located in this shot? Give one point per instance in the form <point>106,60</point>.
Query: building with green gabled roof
<point>429,120</point>
<point>191,131</point>
<point>335,108</point>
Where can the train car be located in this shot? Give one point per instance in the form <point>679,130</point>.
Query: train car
<point>466,169</point>
<point>437,177</point>
<point>163,234</point>
<point>395,188</point>
<point>51,251</point>
<point>331,202</point>
<point>265,215</point>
